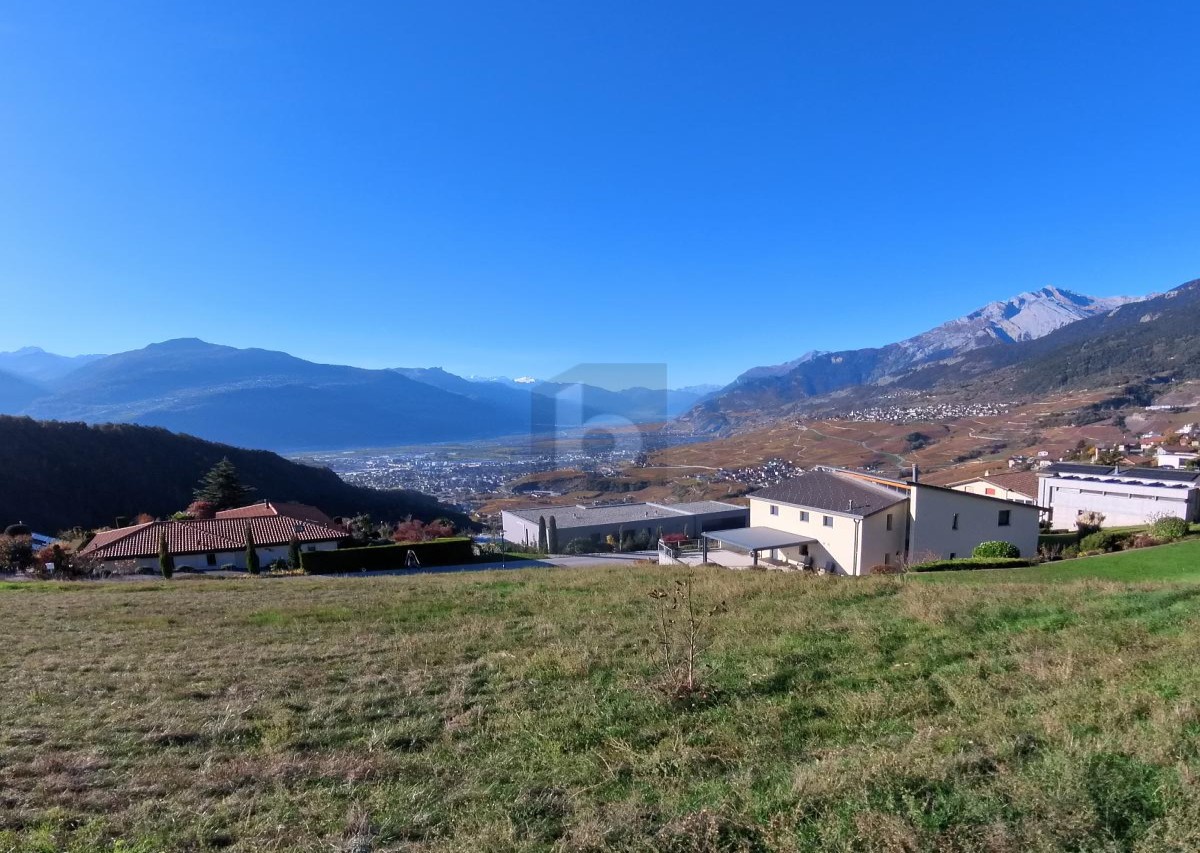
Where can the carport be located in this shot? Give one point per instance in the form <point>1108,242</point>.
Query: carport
<point>752,540</point>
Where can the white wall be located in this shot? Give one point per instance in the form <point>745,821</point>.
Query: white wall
<point>979,487</point>
<point>837,548</point>
<point>1122,504</point>
<point>933,527</point>
<point>266,554</point>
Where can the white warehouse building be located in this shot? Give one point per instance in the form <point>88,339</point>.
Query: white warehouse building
<point>644,520</point>
<point>1125,496</point>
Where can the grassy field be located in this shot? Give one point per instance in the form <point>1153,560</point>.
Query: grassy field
<point>518,711</point>
<point>1177,563</point>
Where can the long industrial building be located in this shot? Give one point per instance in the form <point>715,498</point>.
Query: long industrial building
<point>599,521</point>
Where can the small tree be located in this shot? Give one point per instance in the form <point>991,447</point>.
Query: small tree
<point>294,552</point>
<point>166,563</point>
<point>409,530</point>
<point>552,535</point>
<point>543,541</point>
<point>252,564</point>
<point>222,487</point>
<point>681,626</point>
<point>1088,522</point>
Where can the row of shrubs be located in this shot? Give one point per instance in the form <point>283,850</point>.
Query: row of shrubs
<point>436,552</point>
<point>1163,530</point>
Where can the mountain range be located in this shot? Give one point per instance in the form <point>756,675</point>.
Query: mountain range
<point>1004,326</point>
<point>260,398</point>
<point>1030,344</point>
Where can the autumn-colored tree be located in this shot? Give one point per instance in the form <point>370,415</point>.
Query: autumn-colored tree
<point>201,509</point>
<point>409,530</point>
<point>143,518</point>
<point>439,528</point>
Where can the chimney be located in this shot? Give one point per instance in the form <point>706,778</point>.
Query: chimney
<point>916,473</point>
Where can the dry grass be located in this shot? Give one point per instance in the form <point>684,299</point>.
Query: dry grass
<point>516,711</point>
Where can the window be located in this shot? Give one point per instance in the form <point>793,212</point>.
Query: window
<point>887,559</point>
<point>803,515</point>
<point>827,520</point>
<point>889,521</point>
<point>774,510</point>
<point>954,522</point>
<point>952,555</point>
<point>1005,517</point>
<point>989,491</point>
<point>210,559</point>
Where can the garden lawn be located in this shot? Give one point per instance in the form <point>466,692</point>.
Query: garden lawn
<point>519,711</point>
<point>1178,563</point>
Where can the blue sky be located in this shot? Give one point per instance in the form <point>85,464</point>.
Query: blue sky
<point>512,188</point>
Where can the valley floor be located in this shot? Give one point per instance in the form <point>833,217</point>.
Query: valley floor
<point>518,710</point>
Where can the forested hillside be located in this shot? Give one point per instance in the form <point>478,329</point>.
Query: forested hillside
<point>56,475</point>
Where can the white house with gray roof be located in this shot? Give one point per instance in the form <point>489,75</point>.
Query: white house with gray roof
<point>846,522</point>
<point>598,521</point>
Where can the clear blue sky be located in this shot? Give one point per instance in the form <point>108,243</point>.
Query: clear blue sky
<point>516,187</point>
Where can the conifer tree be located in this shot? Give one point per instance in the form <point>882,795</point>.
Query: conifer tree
<point>166,563</point>
<point>552,536</point>
<point>252,564</point>
<point>221,487</point>
<point>543,545</point>
<point>294,552</point>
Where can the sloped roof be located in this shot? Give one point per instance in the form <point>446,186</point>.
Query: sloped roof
<point>198,536</point>
<point>1024,482</point>
<point>266,508</point>
<point>833,492</point>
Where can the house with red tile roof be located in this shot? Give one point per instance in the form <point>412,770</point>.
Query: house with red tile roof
<point>272,508</point>
<point>211,543</point>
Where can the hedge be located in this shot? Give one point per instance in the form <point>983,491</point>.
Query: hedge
<point>971,563</point>
<point>437,552</point>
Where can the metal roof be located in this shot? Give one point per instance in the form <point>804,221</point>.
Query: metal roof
<point>1118,474</point>
<point>566,517</point>
<point>758,538</point>
<point>833,492</point>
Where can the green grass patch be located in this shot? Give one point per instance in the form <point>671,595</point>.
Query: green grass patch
<point>519,711</point>
<point>1176,563</point>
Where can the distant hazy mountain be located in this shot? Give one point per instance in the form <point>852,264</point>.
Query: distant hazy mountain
<point>41,367</point>
<point>636,404</point>
<point>259,398</point>
<point>1026,317</point>
<point>16,392</point>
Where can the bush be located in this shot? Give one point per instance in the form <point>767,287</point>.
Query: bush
<point>438,552</point>
<point>970,563</point>
<point>1169,528</point>
<point>580,546</point>
<point>996,550</point>
<point>1142,540</point>
<point>1104,541</point>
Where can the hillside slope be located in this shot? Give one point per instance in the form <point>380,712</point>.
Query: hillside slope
<point>57,475</point>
